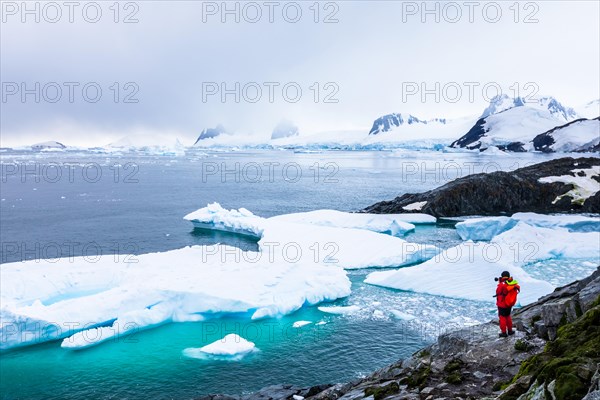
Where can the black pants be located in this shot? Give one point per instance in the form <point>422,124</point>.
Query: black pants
<point>504,312</point>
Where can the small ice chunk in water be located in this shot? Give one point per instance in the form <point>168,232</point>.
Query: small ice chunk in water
<point>339,309</point>
<point>299,324</point>
<point>231,347</point>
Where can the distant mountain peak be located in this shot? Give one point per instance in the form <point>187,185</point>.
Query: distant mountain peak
<point>285,128</point>
<point>504,102</point>
<point>390,121</point>
<point>209,133</point>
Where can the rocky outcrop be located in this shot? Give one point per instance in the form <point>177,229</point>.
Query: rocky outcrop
<point>499,193</point>
<point>474,363</point>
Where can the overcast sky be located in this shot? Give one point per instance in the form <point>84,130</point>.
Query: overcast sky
<point>371,57</point>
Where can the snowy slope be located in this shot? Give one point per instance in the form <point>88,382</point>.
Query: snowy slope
<point>579,135</point>
<point>518,124</point>
<point>590,109</point>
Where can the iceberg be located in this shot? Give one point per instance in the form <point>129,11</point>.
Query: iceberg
<point>232,347</point>
<point>488,227</point>
<point>86,303</point>
<point>215,217</point>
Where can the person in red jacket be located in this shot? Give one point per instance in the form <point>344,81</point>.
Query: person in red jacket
<point>506,298</point>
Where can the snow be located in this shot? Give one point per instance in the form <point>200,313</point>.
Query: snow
<point>579,135</point>
<point>487,227</point>
<point>340,310</point>
<point>327,237</point>
<point>415,206</point>
<point>584,186</point>
<point>394,224</point>
<point>231,347</point>
<point>590,109</point>
<point>216,217</point>
<point>107,299</point>
<point>460,272</point>
<point>300,324</point>
<point>518,124</point>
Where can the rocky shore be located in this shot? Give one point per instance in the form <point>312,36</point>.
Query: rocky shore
<point>555,354</point>
<point>528,189</point>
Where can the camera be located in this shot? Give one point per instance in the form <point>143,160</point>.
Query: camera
<point>496,279</point>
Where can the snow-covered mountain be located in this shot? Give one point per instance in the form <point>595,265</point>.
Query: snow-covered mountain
<point>579,135</point>
<point>548,103</point>
<point>502,103</point>
<point>210,133</point>
<point>590,109</point>
<point>285,129</point>
<point>507,128</point>
<point>49,145</point>
<point>389,122</point>
<point>512,123</point>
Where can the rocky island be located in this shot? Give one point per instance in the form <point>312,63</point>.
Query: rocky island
<point>565,185</point>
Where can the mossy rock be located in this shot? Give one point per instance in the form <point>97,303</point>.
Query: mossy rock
<point>381,392</point>
<point>454,365</point>
<point>577,346</point>
<point>455,378</point>
<point>570,387</point>
<point>417,379</point>
<point>424,353</point>
<point>522,345</point>
<point>500,385</point>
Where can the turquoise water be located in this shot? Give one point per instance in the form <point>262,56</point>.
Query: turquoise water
<point>146,216</point>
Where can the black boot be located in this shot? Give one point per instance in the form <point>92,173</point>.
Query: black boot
<point>503,335</point>
<point>511,332</point>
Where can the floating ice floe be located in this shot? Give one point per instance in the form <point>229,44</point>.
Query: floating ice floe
<point>488,227</point>
<point>328,237</point>
<point>232,348</point>
<point>339,309</point>
<point>300,324</point>
<point>468,277</point>
<point>90,302</point>
<point>467,271</point>
<point>394,224</point>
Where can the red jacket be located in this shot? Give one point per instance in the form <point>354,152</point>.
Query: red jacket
<point>506,292</point>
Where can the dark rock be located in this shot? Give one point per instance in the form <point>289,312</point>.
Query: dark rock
<point>500,193</point>
<point>515,147</point>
